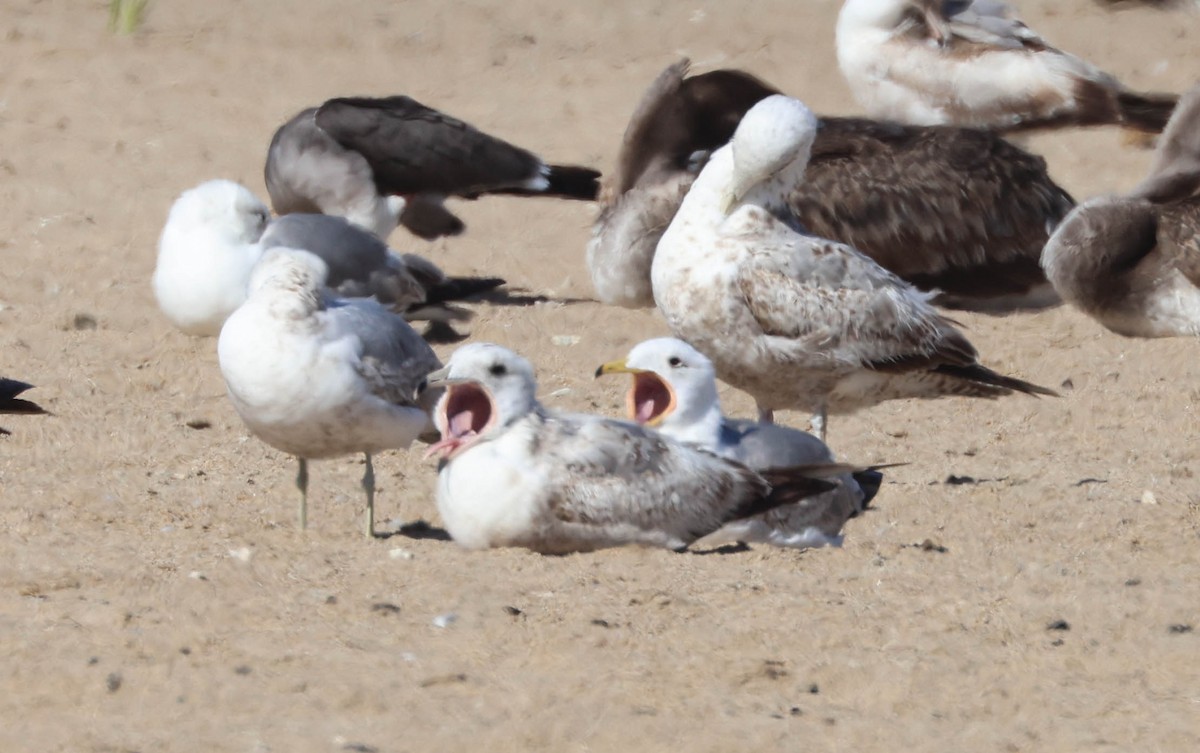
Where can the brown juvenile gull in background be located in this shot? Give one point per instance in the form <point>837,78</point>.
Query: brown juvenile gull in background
<point>797,321</point>
<point>958,211</point>
<point>973,63</point>
<point>515,474</point>
<point>11,404</point>
<point>388,161</point>
<point>316,376</point>
<point>1133,262</point>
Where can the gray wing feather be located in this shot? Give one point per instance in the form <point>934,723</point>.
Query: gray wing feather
<point>394,359</point>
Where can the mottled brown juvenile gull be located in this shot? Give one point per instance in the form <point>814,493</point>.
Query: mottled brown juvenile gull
<point>798,321</point>
<point>973,63</point>
<point>515,474</point>
<point>674,390</point>
<point>316,376</point>
<point>392,160</point>
<point>958,211</point>
<point>11,404</point>
<point>1133,262</point>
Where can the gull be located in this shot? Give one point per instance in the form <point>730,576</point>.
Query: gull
<point>316,376</point>
<point>797,321</point>
<point>674,390</point>
<point>216,232</point>
<point>1133,262</point>
<point>380,162</point>
<point>11,404</point>
<point>973,63</point>
<point>515,474</point>
<point>956,211</point>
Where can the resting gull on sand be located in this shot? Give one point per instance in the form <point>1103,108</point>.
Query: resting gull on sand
<point>958,211</point>
<point>216,233</point>
<point>797,321</point>
<point>973,63</point>
<point>316,376</point>
<point>674,390</point>
<point>515,474</point>
<point>392,160</point>
<point>1133,262</point>
<point>11,404</point>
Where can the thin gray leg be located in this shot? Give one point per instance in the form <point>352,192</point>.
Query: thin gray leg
<point>368,483</point>
<point>820,422</point>
<point>302,484</point>
<point>765,415</point>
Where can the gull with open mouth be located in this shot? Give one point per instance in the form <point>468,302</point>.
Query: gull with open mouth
<point>513,473</point>
<point>674,390</point>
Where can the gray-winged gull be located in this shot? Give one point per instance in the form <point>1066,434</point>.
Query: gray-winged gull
<point>798,321</point>
<point>380,162</point>
<point>973,63</point>
<point>1133,262</point>
<point>515,474</point>
<point>317,376</point>
<point>674,390</point>
<point>11,404</point>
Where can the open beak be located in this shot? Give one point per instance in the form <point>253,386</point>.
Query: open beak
<point>649,400</point>
<point>464,412</point>
<point>616,367</point>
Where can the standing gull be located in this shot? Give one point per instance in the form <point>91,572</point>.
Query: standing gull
<point>316,376</point>
<point>958,211</point>
<point>515,474</point>
<point>797,321</point>
<point>674,390</point>
<point>973,63</point>
<point>216,233</point>
<point>383,162</point>
<point>1133,262</point>
<point>11,404</point>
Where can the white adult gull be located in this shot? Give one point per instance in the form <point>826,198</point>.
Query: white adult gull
<point>380,162</point>
<point>515,474</point>
<point>216,232</point>
<point>316,376</point>
<point>797,321</point>
<point>674,390</point>
<point>973,63</point>
<point>1133,262</point>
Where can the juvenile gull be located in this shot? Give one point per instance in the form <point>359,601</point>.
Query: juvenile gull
<point>1133,262</point>
<point>11,404</point>
<point>674,390</point>
<point>958,211</point>
<point>316,376</point>
<point>797,321</point>
<point>214,236</point>
<point>515,474</point>
<point>388,161</point>
<point>973,63</point>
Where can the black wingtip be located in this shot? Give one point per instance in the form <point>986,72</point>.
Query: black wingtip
<point>571,182</point>
<point>460,289</point>
<point>1146,112</point>
<point>9,389</point>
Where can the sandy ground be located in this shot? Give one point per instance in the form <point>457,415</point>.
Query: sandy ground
<point>155,594</point>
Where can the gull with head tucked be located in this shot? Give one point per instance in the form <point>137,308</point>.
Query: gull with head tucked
<point>515,474</point>
<point>316,376</point>
<point>797,321</point>
<point>674,390</point>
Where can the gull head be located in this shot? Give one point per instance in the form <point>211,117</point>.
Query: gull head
<point>674,385</point>
<point>773,141</point>
<point>290,270</point>
<point>487,387</point>
<point>223,207</point>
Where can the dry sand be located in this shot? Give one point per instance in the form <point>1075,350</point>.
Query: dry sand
<point>155,594</point>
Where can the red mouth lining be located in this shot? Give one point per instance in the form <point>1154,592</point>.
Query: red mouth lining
<point>649,398</point>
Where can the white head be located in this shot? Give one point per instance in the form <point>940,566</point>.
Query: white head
<point>223,207</point>
<point>674,389</point>
<point>288,269</point>
<point>487,387</point>
<point>882,15</point>
<point>771,145</point>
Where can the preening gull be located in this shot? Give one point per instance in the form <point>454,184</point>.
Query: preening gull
<point>11,404</point>
<point>1133,262</point>
<point>674,390</point>
<point>958,211</point>
<point>392,160</point>
<point>973,63</point>
<point>216,233</point>
<point>515,474</point>
<point>316,376</point>
<point>797,321</point>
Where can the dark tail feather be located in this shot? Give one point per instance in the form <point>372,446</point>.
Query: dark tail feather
<point>869,481</point>
<point>9,389</point>
<point>984,375</point>
<point>790,485</point>
<point>459,289</point>
<point>1146,112</point>
<point>566,182</point>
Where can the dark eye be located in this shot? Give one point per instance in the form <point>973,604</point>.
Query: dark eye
<point>675,361</point>
<point>498,369</point>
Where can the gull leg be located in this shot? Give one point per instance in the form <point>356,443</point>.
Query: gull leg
<point>302,484</point>
<point>368,483</point>
<point>765,415</point>
<point>819,422</point>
